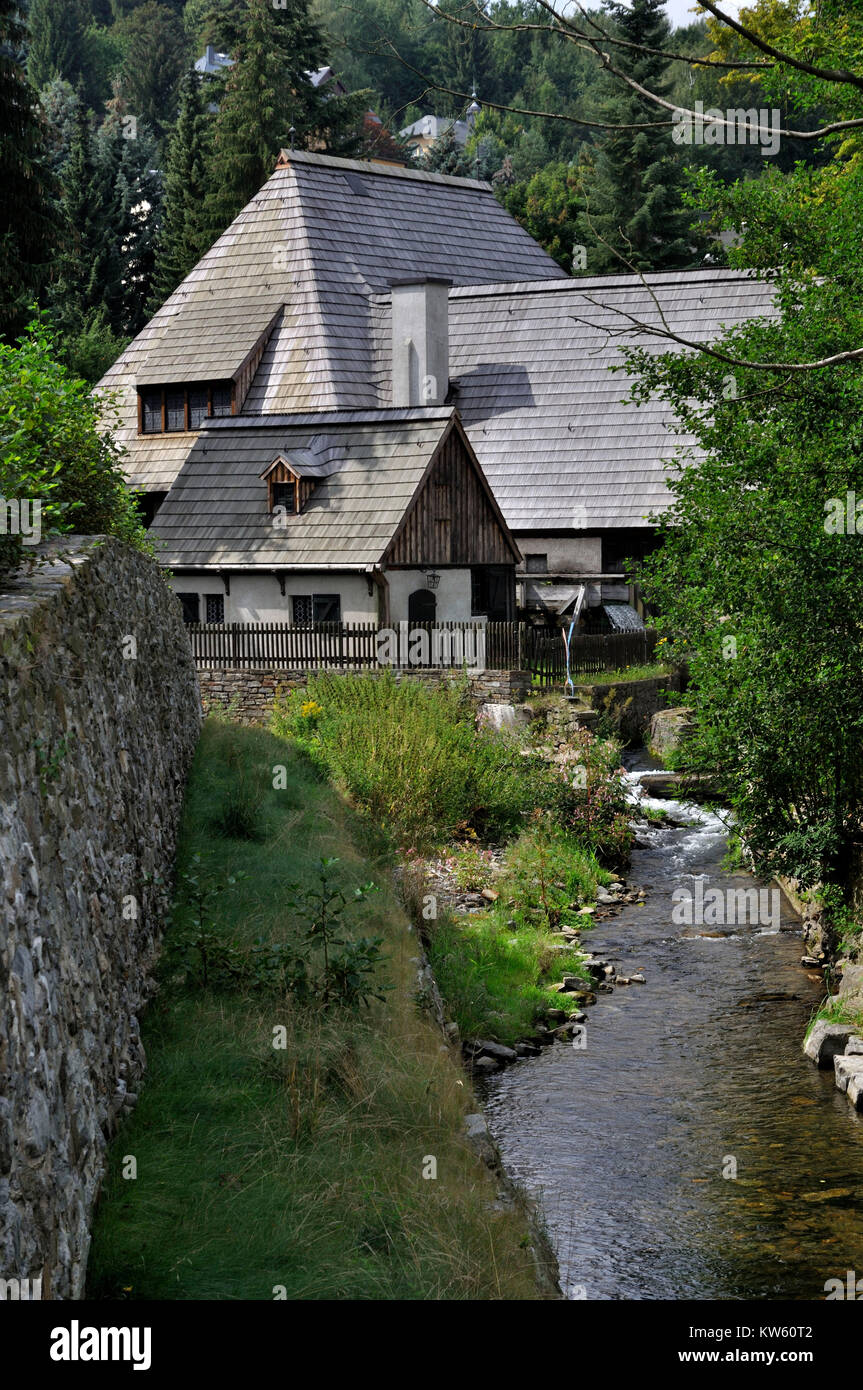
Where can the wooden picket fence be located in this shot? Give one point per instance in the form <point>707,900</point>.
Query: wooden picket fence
<point>355,647</point>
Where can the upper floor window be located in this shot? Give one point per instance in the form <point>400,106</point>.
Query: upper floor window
<point>536,564</point>
<point>175,409</point>
<point>283,495</point>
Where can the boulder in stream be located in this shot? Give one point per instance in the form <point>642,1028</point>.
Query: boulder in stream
<point>826,1041</point>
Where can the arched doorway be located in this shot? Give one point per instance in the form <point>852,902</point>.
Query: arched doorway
<point>422,606</point>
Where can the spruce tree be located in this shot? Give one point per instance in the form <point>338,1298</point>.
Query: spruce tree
<point>88,283</point>
<point>266,93</point>
<point>632,186</point>
<point>184,237</point>
<point>27,217</point>
<point>133,190</point>
<point>155,55</point>
<point>56,47</point>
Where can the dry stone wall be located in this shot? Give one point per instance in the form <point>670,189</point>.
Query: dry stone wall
<point>249,694</point>
<point>99,717</point>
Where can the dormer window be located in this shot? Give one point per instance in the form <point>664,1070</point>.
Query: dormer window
<point>178,409</point>
<point>284,495</point>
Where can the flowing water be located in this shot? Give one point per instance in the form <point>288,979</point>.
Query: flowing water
<point>629,1142</point>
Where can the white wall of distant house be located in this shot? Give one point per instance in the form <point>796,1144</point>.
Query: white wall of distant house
<point>564,554</point>
<point>452,594</point>
<point>257,598</point>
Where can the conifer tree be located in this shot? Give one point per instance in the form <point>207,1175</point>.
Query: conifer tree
<point>56,47</point>
<point>632,185</point>
<point>266,94</point>
<point>88,283</point>
<point>183,236</point>
<point>27,218</point>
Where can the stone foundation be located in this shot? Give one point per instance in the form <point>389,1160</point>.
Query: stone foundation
<point>248,695</point>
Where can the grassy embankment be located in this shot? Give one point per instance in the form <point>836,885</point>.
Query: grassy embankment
<point>301,1166</point>
<point>413,763</point>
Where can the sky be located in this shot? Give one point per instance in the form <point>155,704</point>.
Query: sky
<point>680,11</point>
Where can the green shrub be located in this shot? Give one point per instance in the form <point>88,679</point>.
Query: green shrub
<point>411,758</point>
<point>56,450</point>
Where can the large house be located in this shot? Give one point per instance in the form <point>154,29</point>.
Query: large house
<point>376,383</point>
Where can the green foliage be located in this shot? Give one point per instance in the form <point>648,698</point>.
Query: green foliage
<point>346,975</point>
<point>265,94</point>
<point>632,185</point>
<point>548,876</point>
<point>154,58</point>
<point>183,235</point>
<point>411,758</point>
<point>54,448</point>
<point>295,1160</point>
<point>470,867</point>
<point>56,47</point>
<point>495,969</point>
<point>589,797</point>
<point>28,223</point>
<point>548,206</point>
<point>760,584</point>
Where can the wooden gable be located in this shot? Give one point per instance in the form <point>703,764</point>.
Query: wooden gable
<point>280,471</point>
<point>453,518</point>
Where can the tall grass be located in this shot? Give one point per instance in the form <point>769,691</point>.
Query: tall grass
<point>299,1168</point>
<point>495,969</point>
<point>410,757</point>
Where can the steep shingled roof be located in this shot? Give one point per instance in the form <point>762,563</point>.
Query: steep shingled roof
<point>216,513</point>
<point>547,419</point>
<point>322,236</point>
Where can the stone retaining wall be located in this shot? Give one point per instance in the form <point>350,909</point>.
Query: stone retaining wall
<point>249,694</point>
<point>99,717</point>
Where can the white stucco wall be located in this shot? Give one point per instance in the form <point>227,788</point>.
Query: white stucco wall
<point>257,598</point>
<point>452,593</point>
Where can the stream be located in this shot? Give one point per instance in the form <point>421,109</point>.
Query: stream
<point>629,1143</point>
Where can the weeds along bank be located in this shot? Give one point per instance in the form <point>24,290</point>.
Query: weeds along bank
<point>301,1134</point>
<point>533,832</point>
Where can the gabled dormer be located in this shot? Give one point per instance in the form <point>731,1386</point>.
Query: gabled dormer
<point>285,488</point>
<point>292,477</point>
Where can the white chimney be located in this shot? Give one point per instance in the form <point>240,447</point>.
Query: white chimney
<point>420,323</point>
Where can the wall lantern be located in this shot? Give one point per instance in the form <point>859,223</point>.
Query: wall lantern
<point>432,579</point>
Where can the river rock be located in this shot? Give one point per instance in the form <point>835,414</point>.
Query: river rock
<point>638,979</point>
<point>486,1066</point>
<point>556,1015</point>
<point>485,1048</point>
<point>854,1047</point>
<point>668,727</point>
<point>826,1041</point>
<point>847,1069</point>
<point>527,1049</point>
<point>478,1136</point>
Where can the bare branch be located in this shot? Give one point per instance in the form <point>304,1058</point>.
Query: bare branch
<point>665,331</point>
<point>567,29</point>
<point>702,116</point>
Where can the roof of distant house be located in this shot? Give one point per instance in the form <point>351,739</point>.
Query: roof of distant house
<point>212,62</point>
<point>434,128</point>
